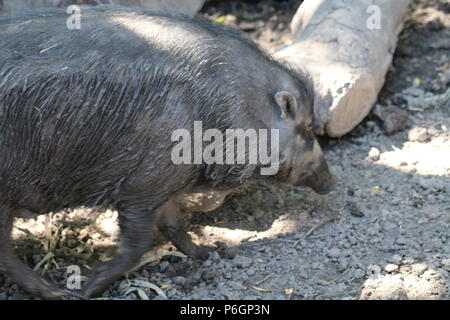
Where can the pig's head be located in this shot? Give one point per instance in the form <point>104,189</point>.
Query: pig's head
<point>301,161</point>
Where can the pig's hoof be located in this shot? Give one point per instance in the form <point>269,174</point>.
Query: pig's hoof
<point>108,272</point>
<point>98,280</point>
<point>54,295</point>
<point>40,287</point>
<point>27,278</point>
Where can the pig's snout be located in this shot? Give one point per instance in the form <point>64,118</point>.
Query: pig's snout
<point>320,179</point>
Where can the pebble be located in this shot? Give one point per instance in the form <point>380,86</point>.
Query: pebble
<point>418,134</point>
<point>316,265</point>
<point>356,210</point>
<point>391,268</point>
<point>359,273</point>
<point>394,119</point>
<point>163,265</point>
<point>343,265</point>
<point>374,154</point>
<point>209,275</point>
<point>374,270</point>
<point>242,262</point>
<point>418,268</point>
<point>403,241</point>
<point>257,214</point>
<point>408,260</point>
<point>446,264</point>
<point>236,285</point>
<point>181,281</point>
<point>334,252</point>
<point>214,256</point>
<point>207,263</point>
<point>423,220</point>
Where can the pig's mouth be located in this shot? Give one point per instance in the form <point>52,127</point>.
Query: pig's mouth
<point>319,184</point>
<point>323,190</point>
<point>321,180</point>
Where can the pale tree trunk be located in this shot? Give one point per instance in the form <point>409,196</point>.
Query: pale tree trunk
<point>347,46</point>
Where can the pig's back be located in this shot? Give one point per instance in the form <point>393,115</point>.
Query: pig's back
<point>81,109</point>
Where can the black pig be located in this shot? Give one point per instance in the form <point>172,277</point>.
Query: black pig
<point>86,118</point>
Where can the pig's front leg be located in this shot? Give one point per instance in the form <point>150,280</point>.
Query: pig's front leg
<point>172,226</point>
<point>136,231</point>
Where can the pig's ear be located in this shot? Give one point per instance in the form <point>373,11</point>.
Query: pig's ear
<point>287,103</point>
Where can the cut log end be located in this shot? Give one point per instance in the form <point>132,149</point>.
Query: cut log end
<point>352,108</point>
<point>347,60</point>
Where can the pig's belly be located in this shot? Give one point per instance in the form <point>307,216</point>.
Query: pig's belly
<point>204,201</point>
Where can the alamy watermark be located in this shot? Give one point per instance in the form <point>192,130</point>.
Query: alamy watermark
<point>74,20</point>
<point>73,281</point>
<point>236,146</point>
<point>374,20</point>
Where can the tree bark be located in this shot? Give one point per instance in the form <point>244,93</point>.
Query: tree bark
<point>347,46</point>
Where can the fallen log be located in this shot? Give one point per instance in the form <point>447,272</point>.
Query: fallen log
<point>347,46</point>
<point>190,7</point>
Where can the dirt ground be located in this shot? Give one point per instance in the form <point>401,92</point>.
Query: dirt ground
<point>383,235</point>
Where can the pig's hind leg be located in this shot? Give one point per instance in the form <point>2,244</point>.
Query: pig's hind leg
<point>18,271</point>
<point>172,226</point>
<point>136,232</point>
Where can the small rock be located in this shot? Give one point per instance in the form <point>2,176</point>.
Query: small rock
<point>181,281</point>
<point>257,214</point>
<point>402,241</point>
<point>251,272</point>
<point>372,231</point>
<point>358,274</point>
<point>418,134</point>
<point>171,293</point>
<point>343,265</point>
<point>207,263</point>
<point>408,260</point>
<point>229,253</point>
<point>334,252</point>
<point>374,154</point>
<point>425,183</point>
<point>416,98</point>
<point>208,275</point>
<point>374,270</point>
<point>391,268</point>
<point>242,262</point>
<point>195,296</point>
<point>163,265</point>
<point>446,264</point>
<point>418,268</point>
<point>423,220</point>
<point>396,201</point>
<point>236,285</point>
<point>214,256</point>
<point>355,210</point>
<point>394,119</point>
<point>316,265</point>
